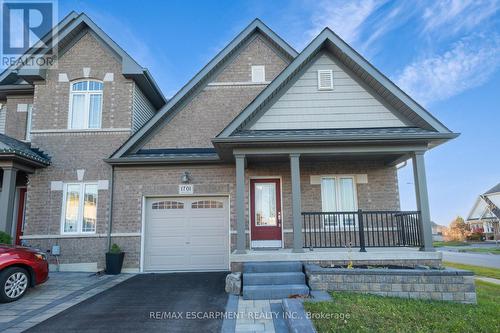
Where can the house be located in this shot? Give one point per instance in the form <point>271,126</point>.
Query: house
<point>266,154</point>
<point>485,214</point>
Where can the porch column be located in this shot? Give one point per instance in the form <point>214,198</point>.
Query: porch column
<point>7,199</point>
<point>296,203</point>
<point>240,204</point>
<point>422,200</point>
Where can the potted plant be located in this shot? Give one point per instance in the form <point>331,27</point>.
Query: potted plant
<point>114,260</point>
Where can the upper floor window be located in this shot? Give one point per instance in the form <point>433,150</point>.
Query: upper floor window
<point>258,74</point>
<point>85,105</point>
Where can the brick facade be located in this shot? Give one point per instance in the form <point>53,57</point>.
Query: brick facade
<point>15,122</point>
<point>76,150</point>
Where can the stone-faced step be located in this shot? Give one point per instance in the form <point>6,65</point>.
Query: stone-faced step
<point>274,291</point>
<point>274,278</point>
<point>272,266</point>
<point>296,317</point>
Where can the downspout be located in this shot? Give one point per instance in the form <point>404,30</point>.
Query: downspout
<point>110,224</point>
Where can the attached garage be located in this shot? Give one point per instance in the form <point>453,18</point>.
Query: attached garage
<point>186,233</point>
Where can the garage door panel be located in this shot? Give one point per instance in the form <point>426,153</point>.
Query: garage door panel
<point>187,234</point>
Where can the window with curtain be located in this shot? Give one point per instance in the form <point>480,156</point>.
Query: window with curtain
<point>85,105</point>
<point>338,195</point>
<point>80,208</point>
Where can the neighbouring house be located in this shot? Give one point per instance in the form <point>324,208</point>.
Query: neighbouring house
<point>265,154</point>
<point>437,231</point>
<point>484,216</point>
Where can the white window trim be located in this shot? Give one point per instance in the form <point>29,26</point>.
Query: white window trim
<point>87,94</point>
<point>255,68</point>
<point>324,88</point>
<point>337,197</point>
<point>79,223</point>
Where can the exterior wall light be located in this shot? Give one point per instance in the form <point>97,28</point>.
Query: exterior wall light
<point>186,177</point>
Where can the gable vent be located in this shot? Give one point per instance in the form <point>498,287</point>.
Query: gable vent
<point>325,79</point>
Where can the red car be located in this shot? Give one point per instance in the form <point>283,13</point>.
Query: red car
<point>20,268</point>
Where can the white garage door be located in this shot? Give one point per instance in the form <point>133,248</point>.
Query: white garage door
<point>186,234</point>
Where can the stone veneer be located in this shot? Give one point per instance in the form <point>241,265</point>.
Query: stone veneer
<point>443,285</point>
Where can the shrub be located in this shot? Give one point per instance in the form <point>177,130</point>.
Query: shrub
<point>115,249</point>
<point>475,236</point>
<point>5,238</point>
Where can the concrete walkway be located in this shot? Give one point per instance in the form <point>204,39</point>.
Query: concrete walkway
<point>255,316</point>
<point>61,291</point>
<point>487,279</point>
<point>476,259</point>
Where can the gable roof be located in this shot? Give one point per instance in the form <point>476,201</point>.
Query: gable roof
<point>169,110</point>
<point>11,146</point>
<point>494,189</point>
<point>70,29</point>
<point>355,62</point>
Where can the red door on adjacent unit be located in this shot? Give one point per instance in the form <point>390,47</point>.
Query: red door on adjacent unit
<point>265,208</point>
<point>20,215</point>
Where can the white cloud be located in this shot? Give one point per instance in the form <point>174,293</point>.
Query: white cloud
<point>467,64</point>
<point>452,16</point>
<point>346,18</point>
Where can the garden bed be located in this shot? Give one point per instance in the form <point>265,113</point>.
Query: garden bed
<point>418,283</point>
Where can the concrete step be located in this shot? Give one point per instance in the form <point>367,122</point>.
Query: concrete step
<point>272,266</point>
<point>252,279</point>
<point>277,291</point>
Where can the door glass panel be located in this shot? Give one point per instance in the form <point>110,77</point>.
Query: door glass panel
<point>265,204</point>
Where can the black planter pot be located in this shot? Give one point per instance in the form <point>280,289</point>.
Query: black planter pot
<point>114,263</point>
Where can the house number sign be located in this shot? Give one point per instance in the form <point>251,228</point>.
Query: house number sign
<point>186,189</point>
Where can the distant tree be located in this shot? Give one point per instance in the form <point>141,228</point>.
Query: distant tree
<point>458,230</point>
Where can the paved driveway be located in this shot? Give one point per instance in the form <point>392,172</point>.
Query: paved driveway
<point>60,292</point>
<point>148,303</point>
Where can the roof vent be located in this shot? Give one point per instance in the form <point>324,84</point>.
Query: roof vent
<point>325,79</point>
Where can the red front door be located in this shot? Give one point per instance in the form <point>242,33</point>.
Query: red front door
<point>20,215</point>
<point>265,208</point>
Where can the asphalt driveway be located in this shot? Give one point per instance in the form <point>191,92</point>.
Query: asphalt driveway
<point>175,302</point>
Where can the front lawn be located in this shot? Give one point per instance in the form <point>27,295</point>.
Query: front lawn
<point>370,313</point>
<point>450,243</point>
<point>492,250</point>
<point>478,270</point>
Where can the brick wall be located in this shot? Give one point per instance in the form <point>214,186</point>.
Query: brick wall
<point>15,122</point>
<point>74,150</point>
<point>215,106</point>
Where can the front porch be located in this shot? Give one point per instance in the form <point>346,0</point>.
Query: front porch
<point>321,230</point>
<point>385,256</point>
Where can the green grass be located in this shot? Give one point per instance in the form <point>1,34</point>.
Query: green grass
<point>492,250</point>
<point>451,243</point>
<point>369,313</point>
<point>478,270</point>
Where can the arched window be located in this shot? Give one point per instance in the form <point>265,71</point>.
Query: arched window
<point>85,105</point>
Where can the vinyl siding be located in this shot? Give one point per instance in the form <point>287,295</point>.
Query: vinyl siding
<point>142,108</point>
<point>348,105</point>
<point>2,119</point>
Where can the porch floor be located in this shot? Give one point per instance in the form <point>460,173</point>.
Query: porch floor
<point>341,254</point>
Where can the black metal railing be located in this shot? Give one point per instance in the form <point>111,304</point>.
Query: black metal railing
<point>361,229</point>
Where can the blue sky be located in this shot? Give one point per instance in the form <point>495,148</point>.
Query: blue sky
<point>446,54</point>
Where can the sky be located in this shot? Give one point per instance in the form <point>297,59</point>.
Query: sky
<point>444,53</point>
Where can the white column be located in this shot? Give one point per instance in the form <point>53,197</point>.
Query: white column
<point>240,204</point>
<point>296,203</point>
<point>422,200</point>
<point>7,197</point>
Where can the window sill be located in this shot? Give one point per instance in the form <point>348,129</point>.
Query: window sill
<point>73,131</point>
